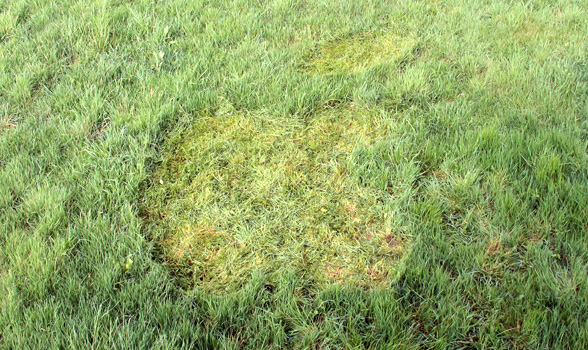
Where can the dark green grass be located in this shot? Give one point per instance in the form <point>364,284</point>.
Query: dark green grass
<point>489,107</point>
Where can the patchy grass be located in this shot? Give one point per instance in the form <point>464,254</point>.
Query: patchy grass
<point>7,122</point>
<point>361,51</point>
<point>471,190</point>
<point>241,193</point>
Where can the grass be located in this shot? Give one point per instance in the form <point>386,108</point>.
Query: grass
<point>240,193</point>
<point>362,51</point>
<point>457,127</point>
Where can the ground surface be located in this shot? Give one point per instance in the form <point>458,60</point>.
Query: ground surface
<point>290,174</point>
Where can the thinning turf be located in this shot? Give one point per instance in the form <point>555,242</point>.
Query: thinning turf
<point>479,162</point>
<point>362,51</point>
<point>243,193</point>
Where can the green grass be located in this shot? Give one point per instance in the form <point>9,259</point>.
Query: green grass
<point>457,127</point>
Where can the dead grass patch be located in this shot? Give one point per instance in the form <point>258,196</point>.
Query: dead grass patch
<point>241,193</point>
<point>358,52</point>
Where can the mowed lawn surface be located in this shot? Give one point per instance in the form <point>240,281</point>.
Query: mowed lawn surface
<point>294,174</point>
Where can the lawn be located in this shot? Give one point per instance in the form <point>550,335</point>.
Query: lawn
<point>329,174</point>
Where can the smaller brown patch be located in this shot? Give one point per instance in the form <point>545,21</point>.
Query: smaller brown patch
<point>7,122</point>
<point>495,246</point>
<point>333,271</point>
<point>439,174</point>
<point>351,207</point>
<point>391,240</point>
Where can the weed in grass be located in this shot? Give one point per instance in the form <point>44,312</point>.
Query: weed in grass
<point>244,192</point>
